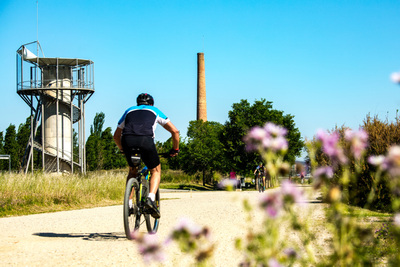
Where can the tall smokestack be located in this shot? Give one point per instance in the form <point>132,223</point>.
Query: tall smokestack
<point>201,89</point>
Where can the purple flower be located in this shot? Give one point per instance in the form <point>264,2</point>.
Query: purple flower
<point>275,139</point>
<point>150,248</point>
<point>291,253</point>
<point>254,138</point>
<point>186,224</point>
<point>323,172</point>
<point>330,146</point>
<point>189,230</point>
<point>275,144</point>
<point>392,161</point>
<point>270,137</point>
<point>274,130</point>
<point>273,263</point>
<point>258,133</point>
<point>291,193</point>
<point>376,160</point>
<point>358,141</point>
<point>272,203</point>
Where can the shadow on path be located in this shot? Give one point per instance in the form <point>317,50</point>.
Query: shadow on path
<point>87,236</point>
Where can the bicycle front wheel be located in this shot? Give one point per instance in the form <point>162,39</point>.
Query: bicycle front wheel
<point>262,185</point>
<point>131,208</point>
<point>152,223</point>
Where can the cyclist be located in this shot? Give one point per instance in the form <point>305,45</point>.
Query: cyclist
<point>136,130</point>
<point>260,172</point>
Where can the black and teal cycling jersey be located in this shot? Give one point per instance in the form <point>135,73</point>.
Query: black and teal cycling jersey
<point>260,170</point>
<point>141,120</point>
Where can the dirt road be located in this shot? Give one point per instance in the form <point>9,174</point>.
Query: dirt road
<point>95,237</point>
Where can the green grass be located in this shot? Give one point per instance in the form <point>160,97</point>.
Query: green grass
<point>381,245</point>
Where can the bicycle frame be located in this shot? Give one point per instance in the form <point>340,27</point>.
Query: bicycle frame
<point>143,194</point>
<point>136,193</point>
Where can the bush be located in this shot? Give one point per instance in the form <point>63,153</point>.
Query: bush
<point>381,135</point>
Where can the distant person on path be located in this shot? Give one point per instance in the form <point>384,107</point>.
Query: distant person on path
<point>232,176</point>
<point>136,130</point>
<point>302,177</point>
<point>260,172</point>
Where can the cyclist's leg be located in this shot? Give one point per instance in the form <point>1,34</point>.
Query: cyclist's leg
<point>127,145</point>
<point>263,181</point>
<point>152,202</point>
<point>155,179</point>
<point>151,159</point>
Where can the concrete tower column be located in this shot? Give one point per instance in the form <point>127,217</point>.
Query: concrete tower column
<point>57,123</point>
<point>201,88</point>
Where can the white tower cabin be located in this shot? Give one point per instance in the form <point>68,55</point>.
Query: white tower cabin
<point>56,90</point>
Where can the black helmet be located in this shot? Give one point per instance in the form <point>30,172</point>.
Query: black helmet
<point>145,99</point>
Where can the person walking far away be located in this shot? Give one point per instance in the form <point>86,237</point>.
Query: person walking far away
<point>136,130</point>
<point>232,176</point>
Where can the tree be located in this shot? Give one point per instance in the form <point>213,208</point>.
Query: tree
<point>23,136</point>
<point>174,163</point>
<point>101,151</point>
<point>98,122</point>
<point>11,146</point>
<point>94,150</point>
<point>1,151</point>
<point>111,157</point>
<point>203,151</point>
<point>242,118</point>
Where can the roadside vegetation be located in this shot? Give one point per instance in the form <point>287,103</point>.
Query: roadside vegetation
<point>209,147</point>
<point>22,194</point>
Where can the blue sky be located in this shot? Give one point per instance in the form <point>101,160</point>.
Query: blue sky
<point>325,62</point>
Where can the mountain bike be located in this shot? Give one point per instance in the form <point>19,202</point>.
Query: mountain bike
<point>136,192</point>
<point>260,183</point>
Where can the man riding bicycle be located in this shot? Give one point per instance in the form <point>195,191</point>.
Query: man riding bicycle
<point>136,130</point>
<point>260,172</point>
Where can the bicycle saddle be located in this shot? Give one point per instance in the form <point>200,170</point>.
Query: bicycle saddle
<point>135,156</point>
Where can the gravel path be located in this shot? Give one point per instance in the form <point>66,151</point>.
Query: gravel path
<point>95,237</point>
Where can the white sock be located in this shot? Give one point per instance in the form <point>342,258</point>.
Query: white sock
<point>152,196</point>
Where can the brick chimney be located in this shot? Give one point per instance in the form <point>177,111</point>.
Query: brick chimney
<point>201,89</point>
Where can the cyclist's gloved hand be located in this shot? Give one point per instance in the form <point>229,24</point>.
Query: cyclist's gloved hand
<point>173,152</point>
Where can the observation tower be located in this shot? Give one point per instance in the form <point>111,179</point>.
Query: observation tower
<point>56,90</point>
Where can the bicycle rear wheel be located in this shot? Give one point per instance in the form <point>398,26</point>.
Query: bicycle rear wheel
<point>131,211</point>
<point>152,223</point>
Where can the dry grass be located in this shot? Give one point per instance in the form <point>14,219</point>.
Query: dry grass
<point>22,194</point>
<point>25,194</point>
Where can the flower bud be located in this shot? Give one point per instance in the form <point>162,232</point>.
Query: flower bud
<point>334,195</point>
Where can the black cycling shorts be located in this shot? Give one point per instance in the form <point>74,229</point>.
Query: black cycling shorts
<point>146,146</point>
